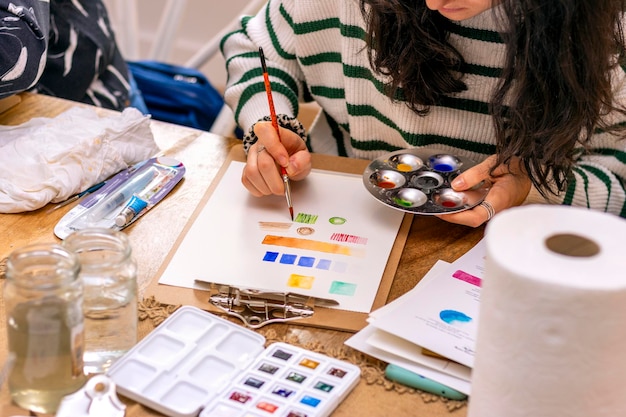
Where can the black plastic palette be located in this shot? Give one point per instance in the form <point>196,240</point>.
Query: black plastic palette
<point>418,181</point>
<point>198,364</point>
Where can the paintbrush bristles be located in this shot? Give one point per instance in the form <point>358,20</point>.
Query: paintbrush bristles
<point>262,59</point>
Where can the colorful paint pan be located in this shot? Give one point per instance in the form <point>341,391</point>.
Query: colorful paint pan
<point>387,179</point>
<point>419,181</point>
<point>198,364</point>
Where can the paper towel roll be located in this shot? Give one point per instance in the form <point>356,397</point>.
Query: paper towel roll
<point>551,335</point>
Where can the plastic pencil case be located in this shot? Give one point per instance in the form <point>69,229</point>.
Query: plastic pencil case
<point>125,197</point>
<point>196,363</point>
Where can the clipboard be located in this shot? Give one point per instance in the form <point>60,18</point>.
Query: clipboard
<point>323,317</point>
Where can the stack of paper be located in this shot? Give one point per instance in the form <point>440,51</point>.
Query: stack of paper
<point>439,315</point>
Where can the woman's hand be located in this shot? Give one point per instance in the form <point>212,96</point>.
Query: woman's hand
<point>261,175</point>
<point>509,187</point>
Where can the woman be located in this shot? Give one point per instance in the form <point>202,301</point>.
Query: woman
<point>62,48</point>
<point>531,89</point>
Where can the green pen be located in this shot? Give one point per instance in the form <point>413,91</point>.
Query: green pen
<point>413,380</point>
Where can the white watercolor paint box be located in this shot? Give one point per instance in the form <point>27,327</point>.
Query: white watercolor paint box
<point>196,363</point>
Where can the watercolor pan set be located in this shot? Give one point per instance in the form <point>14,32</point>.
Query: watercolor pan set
<point>418,181</point>
<point>196,363</point>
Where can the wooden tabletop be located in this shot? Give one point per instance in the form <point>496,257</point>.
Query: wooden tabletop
<point>152,238</point>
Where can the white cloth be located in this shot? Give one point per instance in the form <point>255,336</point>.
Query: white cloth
<point>50,159</point>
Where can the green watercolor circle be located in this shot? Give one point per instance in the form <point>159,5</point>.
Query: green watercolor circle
<point>337,220</point>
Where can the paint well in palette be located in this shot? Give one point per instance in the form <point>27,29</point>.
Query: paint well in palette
<point>297,414</point>
<point>267,406</point>
<point>281,354</point>
<point>323,386</point>
<point>268,368</point>
<point>282,391</point>
<point>310,401</point>
<point>309,363</point>
<point>254,382</point>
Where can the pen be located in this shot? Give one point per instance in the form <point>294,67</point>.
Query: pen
<point>268,90</point>
<point>413,380</point>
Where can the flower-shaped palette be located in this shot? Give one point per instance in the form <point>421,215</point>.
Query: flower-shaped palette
<point>418,181</point>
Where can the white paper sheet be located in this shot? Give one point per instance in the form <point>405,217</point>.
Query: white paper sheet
<point>359,341</point>
<point>337,247</point>
<point>393,349</point>
<point>442,313</point>
<point>403,348</point>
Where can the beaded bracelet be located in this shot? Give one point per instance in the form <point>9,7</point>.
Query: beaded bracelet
<point>283,120</point>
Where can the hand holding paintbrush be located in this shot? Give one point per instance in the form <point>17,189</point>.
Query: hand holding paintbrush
<point>268,90</point>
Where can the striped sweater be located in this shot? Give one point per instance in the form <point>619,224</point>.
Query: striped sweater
<point>315,50</point>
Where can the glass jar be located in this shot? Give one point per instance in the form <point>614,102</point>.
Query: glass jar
<point>109,276</point>
<point>43,301</point>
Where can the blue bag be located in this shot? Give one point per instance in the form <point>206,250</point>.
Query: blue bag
<point>177,94</point>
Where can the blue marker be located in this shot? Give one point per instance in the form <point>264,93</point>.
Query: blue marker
<point>413,380</point>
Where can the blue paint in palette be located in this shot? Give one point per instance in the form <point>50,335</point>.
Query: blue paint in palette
<point>310,401</point>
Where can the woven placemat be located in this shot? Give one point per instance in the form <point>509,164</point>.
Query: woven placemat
<point>152,313</point>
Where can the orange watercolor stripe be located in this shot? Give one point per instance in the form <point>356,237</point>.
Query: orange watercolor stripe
<point>314,245</point>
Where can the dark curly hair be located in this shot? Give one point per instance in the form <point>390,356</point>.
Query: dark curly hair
<point>555,87</point>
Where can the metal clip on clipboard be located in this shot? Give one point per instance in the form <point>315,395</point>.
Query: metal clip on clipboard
<point>256,308</point>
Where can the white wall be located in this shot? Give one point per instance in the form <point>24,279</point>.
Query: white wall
<point>200,20</point>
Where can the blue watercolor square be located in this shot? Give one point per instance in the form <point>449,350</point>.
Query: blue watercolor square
<point>311,401</point>
<point>270,256</point>
<point>324,264</point>
<point>306,261</point>
<point>288,259</point>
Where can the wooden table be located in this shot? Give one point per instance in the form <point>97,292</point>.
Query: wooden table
<point>153,237</point>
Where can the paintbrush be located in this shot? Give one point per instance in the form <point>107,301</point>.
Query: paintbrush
<point>75,197</point>
<point>268,90</point>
